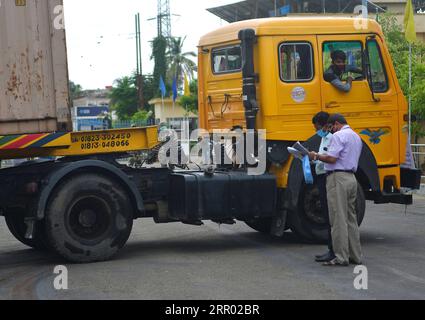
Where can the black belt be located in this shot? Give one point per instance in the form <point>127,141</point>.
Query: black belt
<point>346,171</point>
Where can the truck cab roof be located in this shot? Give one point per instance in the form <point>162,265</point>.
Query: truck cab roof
<point>292,26</point>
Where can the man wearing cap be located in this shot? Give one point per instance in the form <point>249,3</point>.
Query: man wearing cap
<point>341,163</point>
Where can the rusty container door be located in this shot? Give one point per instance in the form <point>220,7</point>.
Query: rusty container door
<point>34,94</point>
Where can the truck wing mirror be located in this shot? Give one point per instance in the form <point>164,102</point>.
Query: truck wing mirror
<point>369,69</point>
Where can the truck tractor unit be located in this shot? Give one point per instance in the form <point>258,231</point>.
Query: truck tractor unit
<point>76,197</point>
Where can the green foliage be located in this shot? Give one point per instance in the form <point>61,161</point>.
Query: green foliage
<point>141,116</point>
<point>179,62</point>
<point>149,90</point>
<point>159,48</point>
<point>190,103</point>
<point>75,90</point>
<point>399,50</point>
<point>124,97</point>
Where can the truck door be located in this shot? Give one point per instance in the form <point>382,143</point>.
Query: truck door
<point>298,86</point>
<point>374,117</point>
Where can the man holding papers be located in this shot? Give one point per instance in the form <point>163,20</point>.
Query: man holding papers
<point>341,163</point>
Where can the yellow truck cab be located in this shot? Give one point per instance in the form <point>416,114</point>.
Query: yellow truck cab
<point>269,74</point>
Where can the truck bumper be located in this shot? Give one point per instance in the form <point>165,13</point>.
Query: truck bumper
<point>398,198</point>
<point>410,178</point>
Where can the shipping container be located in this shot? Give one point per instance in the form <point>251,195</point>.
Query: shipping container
<point>34,95</point>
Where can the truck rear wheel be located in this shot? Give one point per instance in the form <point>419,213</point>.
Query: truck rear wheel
<point>308,222</point>
<point>89,218</point>
<point>16,225</point>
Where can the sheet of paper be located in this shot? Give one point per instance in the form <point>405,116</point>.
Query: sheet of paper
<point>298,146</point>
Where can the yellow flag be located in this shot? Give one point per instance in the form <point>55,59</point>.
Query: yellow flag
<point>409,23</point>
<point>186,86</point>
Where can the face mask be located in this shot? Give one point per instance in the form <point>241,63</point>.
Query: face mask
<point>322,133</point>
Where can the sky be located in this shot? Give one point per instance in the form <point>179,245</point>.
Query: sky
<point>101,40</point>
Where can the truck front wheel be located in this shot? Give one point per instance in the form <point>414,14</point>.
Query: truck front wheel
<point>89,218</point>
<point>308,221</point>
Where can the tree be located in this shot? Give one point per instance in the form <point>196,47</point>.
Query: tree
<point>150,89</point>
<point>190,103</point>
<point>124,99</point>
<point>179,61</point>
<point>159,48</point>
<point>124,95</point>
<point>141,116</point>
<point>399,50</point>
<point>75,90</point>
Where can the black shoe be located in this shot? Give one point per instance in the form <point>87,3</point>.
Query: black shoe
<point>355,263</point>
<point>321,255</point>
<point>336,263</point>
<point>326,258</point>
<point>330,252</point>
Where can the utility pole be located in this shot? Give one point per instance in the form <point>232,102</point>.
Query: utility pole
<point>139,75</point>
<point>163,19</point>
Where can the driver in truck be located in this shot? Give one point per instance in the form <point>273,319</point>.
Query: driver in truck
<point>337,69</point>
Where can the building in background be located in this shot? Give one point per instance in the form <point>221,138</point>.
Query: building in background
<point>252,9</point>
<point>91,110</point>
<point>89,118</point>
<point>98,97</point>
<point>173,116</point>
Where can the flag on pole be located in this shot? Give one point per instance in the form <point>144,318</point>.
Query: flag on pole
<point>186,86</point>
<point>174,89</point>
<point>162,87</point>
<point>409,23</point>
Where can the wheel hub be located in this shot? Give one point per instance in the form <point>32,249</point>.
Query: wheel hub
<point>87,218</point>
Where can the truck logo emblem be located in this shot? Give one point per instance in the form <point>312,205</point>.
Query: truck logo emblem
<point>375,136</point>
<point>298,94</point>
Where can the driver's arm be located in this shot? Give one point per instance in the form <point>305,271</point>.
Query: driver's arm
<point>345,87</point>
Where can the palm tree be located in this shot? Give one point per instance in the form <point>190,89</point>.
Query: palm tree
<point>179,62</point>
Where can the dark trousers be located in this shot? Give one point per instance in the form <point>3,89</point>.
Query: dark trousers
<point>321,183</point>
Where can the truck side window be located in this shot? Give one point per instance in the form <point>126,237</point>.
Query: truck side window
<point>354,62</point>
<point>296,62</point>
<point>227,60</point>
<point>377,68</point>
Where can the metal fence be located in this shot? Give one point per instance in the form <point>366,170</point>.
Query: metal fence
<point>101,124</point>
<point>122,124</point>
<point>419,155</point>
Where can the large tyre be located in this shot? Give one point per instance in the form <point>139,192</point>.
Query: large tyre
<point>308,222</point>
<point>16,224</point>
<point>89,218</point>
<point>263,225</point>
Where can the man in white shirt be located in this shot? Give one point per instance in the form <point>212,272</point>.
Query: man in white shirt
<point>320,121</point>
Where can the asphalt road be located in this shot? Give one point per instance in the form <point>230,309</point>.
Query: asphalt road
<point>175,261</point>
